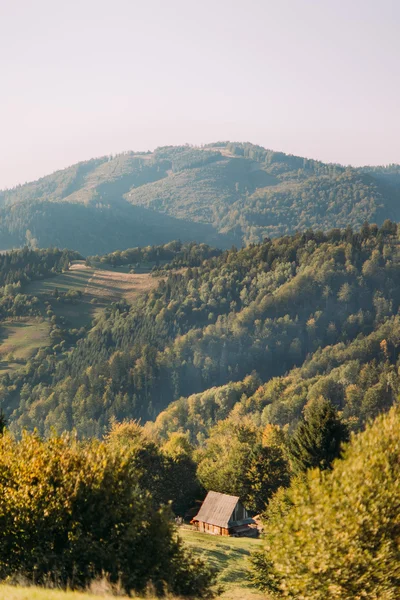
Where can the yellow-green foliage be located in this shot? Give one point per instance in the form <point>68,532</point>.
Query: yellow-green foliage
<point>234,461</point>
<point>73,511</point>
<point>340,540</point>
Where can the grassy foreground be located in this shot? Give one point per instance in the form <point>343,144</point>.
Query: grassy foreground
<point>31,593</point>
<point>228,555</point>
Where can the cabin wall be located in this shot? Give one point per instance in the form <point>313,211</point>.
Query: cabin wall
<point>240,513</point>
<point>212,529</point>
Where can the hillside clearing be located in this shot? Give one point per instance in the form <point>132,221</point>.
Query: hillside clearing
<point>103,284</point>
<point>21,340</point>
<point>75,279</point>
<point>98,286</point>
<point>113,285</point>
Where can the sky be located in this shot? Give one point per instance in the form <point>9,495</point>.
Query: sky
<point>85,78</point>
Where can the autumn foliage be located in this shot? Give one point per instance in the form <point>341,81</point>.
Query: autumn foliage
<point>336,534</point>
<point>71,511</point>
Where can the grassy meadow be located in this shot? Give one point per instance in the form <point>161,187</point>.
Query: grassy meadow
<point>19,340</point>
<point>96,282</point>
<point>228,555</point>
<point>33,593</point>
<point>99,287</point>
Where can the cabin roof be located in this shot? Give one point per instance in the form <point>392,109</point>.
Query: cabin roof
<point>217,509</point>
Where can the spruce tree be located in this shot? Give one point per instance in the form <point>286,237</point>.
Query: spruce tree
<point>318,438</point>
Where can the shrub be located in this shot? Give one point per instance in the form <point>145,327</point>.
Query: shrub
<point>72,511</point>
<point>337,535</point>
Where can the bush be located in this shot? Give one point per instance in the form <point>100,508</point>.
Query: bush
<point>72,511</point>
<point>336,534</point>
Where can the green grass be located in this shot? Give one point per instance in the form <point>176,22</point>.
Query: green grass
<point>22,340</point>
<point>230,557</point>
<point>8,592</point>
<point>70,280</point>
<point>78,315</point>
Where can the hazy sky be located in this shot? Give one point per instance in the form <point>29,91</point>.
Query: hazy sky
<point>83,78</point>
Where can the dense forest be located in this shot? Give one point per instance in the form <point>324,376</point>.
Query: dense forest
<point>221,194</point>
<point>259,331</point>
<point>21,266</point>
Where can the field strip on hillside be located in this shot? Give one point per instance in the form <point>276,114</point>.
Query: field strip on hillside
<point>75,279</point>
<point>113,284</point>
<point>104,284</point>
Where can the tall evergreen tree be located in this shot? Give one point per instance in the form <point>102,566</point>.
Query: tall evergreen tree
<point>318,438</point>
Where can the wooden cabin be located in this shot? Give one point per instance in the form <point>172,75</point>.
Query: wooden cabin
<point>221,514</point>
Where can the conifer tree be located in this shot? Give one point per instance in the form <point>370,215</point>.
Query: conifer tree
<point>318,438</point>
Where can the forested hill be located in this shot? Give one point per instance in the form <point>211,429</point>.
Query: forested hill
<point>258,331</point>
<point>220,194</point>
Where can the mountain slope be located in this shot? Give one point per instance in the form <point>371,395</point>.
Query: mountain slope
<point>319,311</point>
<point>96,229</point>
<point>221,194</point>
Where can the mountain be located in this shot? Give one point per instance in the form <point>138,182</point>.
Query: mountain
<point>221,194</point>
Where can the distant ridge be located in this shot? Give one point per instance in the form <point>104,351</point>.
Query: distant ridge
<point>222,194</point>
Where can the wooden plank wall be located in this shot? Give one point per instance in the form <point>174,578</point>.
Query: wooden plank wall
<point>213,529</point>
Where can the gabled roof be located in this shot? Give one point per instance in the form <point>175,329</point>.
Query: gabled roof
<point>217,509</point>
